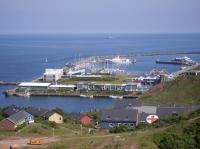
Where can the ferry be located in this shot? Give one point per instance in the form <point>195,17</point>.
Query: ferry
<point>26,95</point>
<point>116,97</point>
<point>179,61</point>
<point>121,60</point>
<point>86,96</point>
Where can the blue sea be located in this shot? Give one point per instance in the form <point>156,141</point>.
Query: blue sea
<point>23,57</point>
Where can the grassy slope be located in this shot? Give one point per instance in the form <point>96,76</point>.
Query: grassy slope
<point>184,90</point>
<point>140,139</point>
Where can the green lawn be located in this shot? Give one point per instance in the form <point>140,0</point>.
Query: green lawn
<point>119,79</point>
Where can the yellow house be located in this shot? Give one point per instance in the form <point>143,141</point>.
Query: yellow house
<point>54,117</point>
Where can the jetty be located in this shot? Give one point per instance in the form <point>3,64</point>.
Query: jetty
<point>171,62</point>
<point>9,83</point>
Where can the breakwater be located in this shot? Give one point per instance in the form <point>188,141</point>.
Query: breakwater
<point>9,83</point>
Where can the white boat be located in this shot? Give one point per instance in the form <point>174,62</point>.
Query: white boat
<point>26,95</point>
<point>178,61</point>
<point>121,60</point>
<point>116,97</point>
<point>183,67</point>
<point>76,72</point>
<point>184,59</point>
<point>86,96</point>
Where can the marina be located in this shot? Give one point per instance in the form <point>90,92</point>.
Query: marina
<point>84,82</point>
<point>18,70</point>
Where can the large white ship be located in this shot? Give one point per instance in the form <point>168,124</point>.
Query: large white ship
<point>121,60</point>
<point>179,61</point>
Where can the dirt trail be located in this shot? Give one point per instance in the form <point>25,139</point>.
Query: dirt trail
<point>22,142</point>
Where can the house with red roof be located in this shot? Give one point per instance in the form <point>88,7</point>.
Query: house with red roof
<point>86,120</point>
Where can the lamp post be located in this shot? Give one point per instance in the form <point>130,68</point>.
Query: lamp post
<point>81,129</point>
<point>53,131</point>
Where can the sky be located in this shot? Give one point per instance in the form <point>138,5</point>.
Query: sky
<point>99,16</point>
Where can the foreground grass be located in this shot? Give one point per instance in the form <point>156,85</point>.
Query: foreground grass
<point>104,141</point>
<point>138,139</point>
<point>38,129</point>
<point>182,90</point>
<point>129,140</point>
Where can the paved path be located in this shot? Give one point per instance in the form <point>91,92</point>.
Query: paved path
<point>22,141</point>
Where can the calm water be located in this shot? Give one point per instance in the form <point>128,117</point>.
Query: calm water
<point>22,58</point>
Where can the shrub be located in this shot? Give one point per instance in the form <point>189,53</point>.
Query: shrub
<point>144,126</point>
<point>52,124</point>
<point>174,141</point>
<point>21,126</point>
<point>1,117</point>
<point>36,130</point>
<point>39,119</point>
<point>120,129</point>
<point>194,132</point>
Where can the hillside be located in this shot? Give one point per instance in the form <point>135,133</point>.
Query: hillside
<point>169,133</point>
<point>182,90</point>
<point>184,133</point>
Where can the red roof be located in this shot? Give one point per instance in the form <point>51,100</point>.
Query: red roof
<point>86,120</point>
<point>7,125</point>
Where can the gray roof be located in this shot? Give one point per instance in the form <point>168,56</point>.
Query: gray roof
<point>146,109</point>
<point>124,103</point>
<point>76,116</point>
<point>11,110</point>
<point>49,113</point>
<point>119,115</point>
<point>176,110</point>
<point>36,111</point>
<point>170,111</point>
<point>142,117</point>
<point>18,117</point>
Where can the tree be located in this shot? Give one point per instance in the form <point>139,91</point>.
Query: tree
<point>52,124</point>
<point>59,111</point>
<point>175,141</point>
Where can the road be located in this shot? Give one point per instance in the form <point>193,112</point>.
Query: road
<point>22,142</point>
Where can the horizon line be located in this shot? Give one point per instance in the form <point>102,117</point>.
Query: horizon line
<point>98,33</point>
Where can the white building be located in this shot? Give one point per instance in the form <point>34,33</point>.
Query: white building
<point>52,74</point>
<point>62,87</point>
<point>34,85</point>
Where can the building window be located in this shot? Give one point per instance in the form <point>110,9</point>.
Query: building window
<point>108,117</point>
<point>174,113</point>
<point>110,125</point>
<point>60,118</point>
